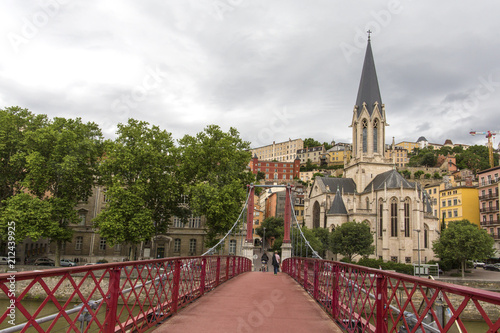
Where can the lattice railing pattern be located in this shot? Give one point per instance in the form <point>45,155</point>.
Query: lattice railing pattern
<point>363,299</point>
<point>116,297</point>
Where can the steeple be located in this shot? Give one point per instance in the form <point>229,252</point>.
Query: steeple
<point>368,91</point>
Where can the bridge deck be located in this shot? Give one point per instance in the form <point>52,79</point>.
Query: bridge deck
<point>254,301</point>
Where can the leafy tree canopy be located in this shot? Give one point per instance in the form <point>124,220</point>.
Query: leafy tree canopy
<point>352,238</point>
<point>462,241</point>
<point>213,168</point>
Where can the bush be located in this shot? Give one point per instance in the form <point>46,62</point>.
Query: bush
<point>393,266</point>
<point>427,176</point>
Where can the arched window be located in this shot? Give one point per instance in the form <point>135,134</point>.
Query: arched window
<point>407,217</point>
<point>380,217</point>
<point>394,217</point>
<point>316,211</point>
<point>426,236</point>
<point>364,125</point>
<point>375,135</point>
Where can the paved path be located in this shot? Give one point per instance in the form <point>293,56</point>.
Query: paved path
<point>253,302</point>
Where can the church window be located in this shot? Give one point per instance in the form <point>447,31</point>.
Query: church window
<point>394,217</point>
<point>380,219</point>
<point>426,237</point>
<point>375,135</point>
<point>316,214</point>
<point>364,125</point>
<point>407,217</point>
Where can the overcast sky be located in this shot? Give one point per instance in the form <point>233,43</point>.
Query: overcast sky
<point>272,69</point>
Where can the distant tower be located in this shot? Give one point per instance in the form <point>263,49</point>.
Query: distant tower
<point>368,126</point>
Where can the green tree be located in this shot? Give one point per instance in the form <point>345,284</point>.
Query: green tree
<point>322,234</point>
<point>61,164</point>
<point>140,174</point>
<point>429,159</point>
<point>352,238</point>
<point>15,123</point>
<point>405,173</point>
<point>310,142</point>
<point>418,174</point>
<point>274,228</point>
<point>213,168</point>
<point>436,175</point>
<point>300,246</point>
<point>475,158</point>
<point>462,241</point>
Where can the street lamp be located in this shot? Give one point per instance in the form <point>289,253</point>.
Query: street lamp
<point>418,244</point>
<point>264,240</point>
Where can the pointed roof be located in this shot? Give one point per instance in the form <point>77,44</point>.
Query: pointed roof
<point>389,179</point>
<point>368,91</point>
<point>338,206</point>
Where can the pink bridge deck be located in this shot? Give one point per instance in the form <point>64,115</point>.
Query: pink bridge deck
<point>253,302</point>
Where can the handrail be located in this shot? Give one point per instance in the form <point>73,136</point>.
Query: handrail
<point>372,300</point>
<point>131,295</point>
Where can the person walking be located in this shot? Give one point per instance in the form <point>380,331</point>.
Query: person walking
<point>264,261</point>
<point>276,262</point>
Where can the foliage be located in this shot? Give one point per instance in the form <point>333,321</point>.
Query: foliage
<point>380,264</point>
<point>260,175</point>
<point>436,175</point>
<point>309,166</point>
<point>322,234</point>
<point>352,238</point>
<point>475,158</point>
<point>427,176</point>
<point>418,174</point>
<point>462,241</point>
<point>405,173</point>
<point>140,174</point>
<point>15,123</point>
<point>273,226</point>
<point>310,142</point>
<point>214,172</point>
<point>300,246</point>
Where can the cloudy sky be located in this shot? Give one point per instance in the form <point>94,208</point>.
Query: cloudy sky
<point>272,69</point>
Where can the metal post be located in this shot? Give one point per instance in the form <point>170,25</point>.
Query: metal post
<point>112,300</point>
<point>217,272</point>
<point>381,301</point>
<point>288,208</point>
<point>175,291</point>
<point>202,275</point>
<point>264,241</point>
<point>250,208</point>
<point>316,279</point>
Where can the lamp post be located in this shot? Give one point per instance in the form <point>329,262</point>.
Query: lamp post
<point>418,244</point>
<point>264,240</point>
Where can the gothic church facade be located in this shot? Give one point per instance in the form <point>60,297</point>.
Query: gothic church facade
<point>398,211</point>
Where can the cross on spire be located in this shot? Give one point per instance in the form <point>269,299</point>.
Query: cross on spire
<point>369,32</point>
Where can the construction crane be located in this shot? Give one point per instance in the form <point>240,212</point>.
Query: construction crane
<point>489,135</point>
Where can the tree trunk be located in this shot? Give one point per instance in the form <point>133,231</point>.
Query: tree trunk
<point>463,268</point>
<point>57,261</point>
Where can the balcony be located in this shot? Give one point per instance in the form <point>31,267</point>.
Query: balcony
<point>489,196</point>
<point>492,209</point>
<point>490,223</point>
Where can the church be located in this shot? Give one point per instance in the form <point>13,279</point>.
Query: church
<point>398,212</point>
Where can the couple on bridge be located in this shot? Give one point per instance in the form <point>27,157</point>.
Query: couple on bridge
<point>275,261</point>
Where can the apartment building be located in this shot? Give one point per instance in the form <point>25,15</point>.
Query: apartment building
<point>398,155</point>
<point>313,154</point>
<point>458,203</point>
<point>283,151</point>
<point>488,189</point>
<point>279,172</point>
<point>337,155</point>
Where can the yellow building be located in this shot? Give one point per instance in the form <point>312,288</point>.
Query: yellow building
<point>458,203</point>
<point>398,155</point>
<point>409,146</point>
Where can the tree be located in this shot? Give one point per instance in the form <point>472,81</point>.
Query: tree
<point>418,174</point>
<point>429,159</point>
<point>310,142</point>
<point>300,246</point>
<point>15,123</point>
<point>475,158</point>
<point>405,173</point>
<point>462,241</point>
<point>352,238</point>
<point>274,227</point>
<point>140,173</point>
<point>322,234</point>
<point>61,164</point>
<point>213,168</point>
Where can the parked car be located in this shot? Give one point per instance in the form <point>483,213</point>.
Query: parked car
<point>476,263</point>
<point>492,267</point>
<point>44,262</point>
<point>67,263</point>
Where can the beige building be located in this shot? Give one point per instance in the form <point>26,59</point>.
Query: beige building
<point>312,154</point>
<point>398,212</point>
<point>282,151</point>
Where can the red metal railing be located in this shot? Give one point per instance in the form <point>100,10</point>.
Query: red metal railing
<point>362,299</point>
<point>114,297</point>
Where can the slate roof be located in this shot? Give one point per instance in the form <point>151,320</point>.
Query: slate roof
<point>368,91</point>
<point>390,179</point>
<point>345,185</point>
<point>338,206</point>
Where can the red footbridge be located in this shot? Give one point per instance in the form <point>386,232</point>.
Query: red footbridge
<point>224,294</point>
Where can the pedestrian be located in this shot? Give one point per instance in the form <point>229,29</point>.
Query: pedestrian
<point>264,259</point>
<point>276,262</point>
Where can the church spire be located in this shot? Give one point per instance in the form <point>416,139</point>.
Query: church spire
<point>368,91</point>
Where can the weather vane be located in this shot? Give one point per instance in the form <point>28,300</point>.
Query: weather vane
<point>369,33</point>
